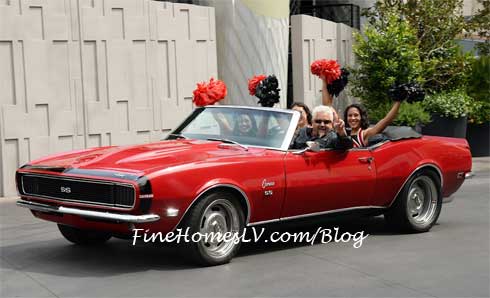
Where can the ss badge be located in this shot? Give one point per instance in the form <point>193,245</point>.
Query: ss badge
<point>268,193</point>
<point>65,189</point>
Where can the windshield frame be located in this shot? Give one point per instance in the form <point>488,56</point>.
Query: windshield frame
<point>287,138</point>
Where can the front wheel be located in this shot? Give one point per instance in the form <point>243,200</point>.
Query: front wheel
<point>83,237</point>
<point>418,205</point>
<point>217,214</point>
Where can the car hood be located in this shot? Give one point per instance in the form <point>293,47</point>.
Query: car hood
<point>142,159</point>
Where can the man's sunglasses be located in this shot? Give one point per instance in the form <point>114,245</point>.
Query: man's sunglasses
<point>319,121</point>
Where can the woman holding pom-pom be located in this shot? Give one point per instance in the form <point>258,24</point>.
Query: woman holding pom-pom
<point>355,116</point>
<point>210,93</point>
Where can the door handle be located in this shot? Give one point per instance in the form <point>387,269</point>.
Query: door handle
<point>366,159</point>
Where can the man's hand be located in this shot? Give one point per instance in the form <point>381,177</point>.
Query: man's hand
<point>339,127</point>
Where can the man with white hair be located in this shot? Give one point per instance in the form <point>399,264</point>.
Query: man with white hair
<point>323,131</point>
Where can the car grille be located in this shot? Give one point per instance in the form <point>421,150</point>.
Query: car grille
<point>78,190</point>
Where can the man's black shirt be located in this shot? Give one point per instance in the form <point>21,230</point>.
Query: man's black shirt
<point>330,140</point>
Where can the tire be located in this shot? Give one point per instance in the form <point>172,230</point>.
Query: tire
<point>418,205</point>
<point>83,237</point>
<point>217,212</point>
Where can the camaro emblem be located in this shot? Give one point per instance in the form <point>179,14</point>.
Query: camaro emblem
<point>267,184</point>
<point>65,189</point>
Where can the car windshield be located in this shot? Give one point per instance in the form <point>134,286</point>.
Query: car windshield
<point>260,127</point>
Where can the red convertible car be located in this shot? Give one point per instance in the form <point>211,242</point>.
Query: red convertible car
<point>228,167</point>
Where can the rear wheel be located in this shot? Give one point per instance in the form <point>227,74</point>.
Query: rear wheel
<point>418,205</point>
<point>83,237</point>
<point>218,213</point>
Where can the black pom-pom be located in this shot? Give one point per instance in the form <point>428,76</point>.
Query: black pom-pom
<point>339,84</point>
<point>268,91</point>
<point>411,92</point>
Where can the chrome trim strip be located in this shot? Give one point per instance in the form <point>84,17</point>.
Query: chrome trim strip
<point>413,172</point>
<point>314,214</point>
<point>78,179</point>
<point>117,217</point>
<point>263,222</point>
<point>253,108</point>
<point>288,138</point>
<point>215,186</point>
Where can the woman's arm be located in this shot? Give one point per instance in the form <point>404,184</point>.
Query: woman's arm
<point>383,123</point>
<point>327,98</point>
<point>225,127</point>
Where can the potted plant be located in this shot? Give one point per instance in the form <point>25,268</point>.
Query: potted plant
<point>478,132</point>
<point>479,113</point>
<point>449,112</point>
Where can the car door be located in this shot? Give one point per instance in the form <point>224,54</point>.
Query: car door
<point>328,180</point>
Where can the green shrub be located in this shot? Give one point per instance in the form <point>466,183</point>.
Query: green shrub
<point>387,55</point>
<point>452,104</point>
<point>437,24</point>
<point>446,68</point>
<point>409,114</point>
<point>479,112</point>
<point>479,79</point>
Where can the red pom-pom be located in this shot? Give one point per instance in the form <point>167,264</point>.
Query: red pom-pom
<point>328,68</point>
<point>253,82</point>
<point>210,93</point>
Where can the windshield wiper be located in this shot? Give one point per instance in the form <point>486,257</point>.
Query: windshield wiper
<point>228,141</point>
<point>178,136</point>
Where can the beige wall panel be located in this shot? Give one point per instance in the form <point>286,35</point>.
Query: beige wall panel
<point>10,164</point>
<point>311,39</point>
<point>2,155</point>
<point>128,80</point>
<point>345,56</point>
<point>7,79</point>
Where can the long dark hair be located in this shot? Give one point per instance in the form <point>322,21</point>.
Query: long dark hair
<point>253,130</point>
<point>309,117</point>
<point>362,111</point>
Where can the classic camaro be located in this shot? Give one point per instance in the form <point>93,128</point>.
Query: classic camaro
<point>229,167</point>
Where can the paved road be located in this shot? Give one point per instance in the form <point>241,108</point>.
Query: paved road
<point>451,260</point>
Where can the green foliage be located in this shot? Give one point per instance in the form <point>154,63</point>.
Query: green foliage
<point>437,23</point>
<point>479,112</point>
<point>479,79</point>
<point>446,69</point>
<point>452,104</point>
<point>385,57</point>
<point>409,114</point>
<point>479,89</point>
<point>479,25</point>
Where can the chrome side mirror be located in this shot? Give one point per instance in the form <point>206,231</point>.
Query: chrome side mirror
<point>311,146</point>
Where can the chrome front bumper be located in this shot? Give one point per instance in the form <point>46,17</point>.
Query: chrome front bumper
<point>116,217</point>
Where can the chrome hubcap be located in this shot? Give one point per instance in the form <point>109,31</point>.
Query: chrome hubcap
<point>422,200</point>
<point>219,218</point>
